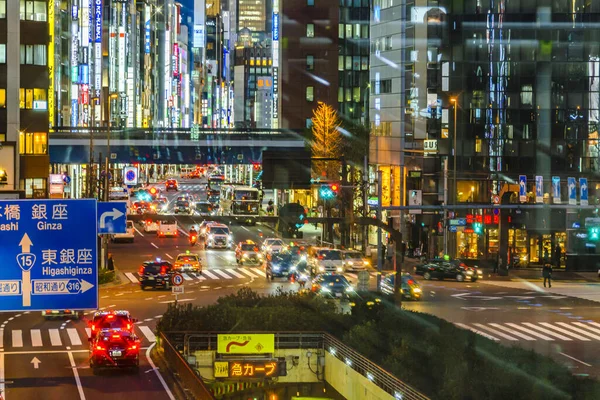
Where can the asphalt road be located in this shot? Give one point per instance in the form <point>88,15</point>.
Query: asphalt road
<point>49,358</point>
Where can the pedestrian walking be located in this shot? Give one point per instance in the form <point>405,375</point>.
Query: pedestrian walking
<point>111,262</point>
<point>547,274</point>
<point>557,255</point>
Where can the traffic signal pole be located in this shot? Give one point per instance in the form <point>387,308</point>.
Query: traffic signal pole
<point>379,244</point>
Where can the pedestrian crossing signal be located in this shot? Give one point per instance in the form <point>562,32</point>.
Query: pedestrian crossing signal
<point>594,234</point>
<point>477,228</point>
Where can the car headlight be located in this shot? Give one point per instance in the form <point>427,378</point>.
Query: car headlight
<point>325,289</point>
<point>303,276</point>
<point>303,257</point>
<point>416,290</point>
<point>293,268</point>
<point>230,237</point>
<point>259,255</point>
<point>321,268</point>
<point>350,262</point>
<point>245,255</point>
<point>349,289</point>
<point>469,272</point>
<point>276,267</point>
<point>340,269</point>
<point>365,262</point>
<point>210,237</point>
<point>479,272</point>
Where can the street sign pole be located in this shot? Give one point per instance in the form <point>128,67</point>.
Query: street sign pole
<point>445,204</point>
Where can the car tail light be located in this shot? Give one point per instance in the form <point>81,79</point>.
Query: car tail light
<point>99,348</point>
<point>116,336</point>
<point>320,257</point>
<point>163,270</point>
<point>93,327</point>
<point>194,237</point>
<point>110,316</point>
<point>141,271</point>
<point>133,347</point>
<point>128,327</point>
<point>411,282</point>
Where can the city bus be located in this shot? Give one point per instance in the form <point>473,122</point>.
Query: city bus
<point>239,201</point>
<point>213,187</point>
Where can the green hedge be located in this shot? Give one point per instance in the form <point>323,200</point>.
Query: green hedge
<point>429,353</point>
<point>105,276</point>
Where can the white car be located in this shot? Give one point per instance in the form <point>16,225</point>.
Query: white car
<point>354,261</point>
<point>151,226</point>
<point>167,229</point>
<point>326,261</point>
<point>127,236</point>
<point>272,246</point>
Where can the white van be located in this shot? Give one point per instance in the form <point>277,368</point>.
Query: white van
<point>128,236</point>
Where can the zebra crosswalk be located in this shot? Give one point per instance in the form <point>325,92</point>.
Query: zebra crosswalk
<point>56,338</point>
<point>584,331</point>
<point>212,274</point>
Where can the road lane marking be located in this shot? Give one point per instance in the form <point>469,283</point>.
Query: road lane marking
<point>187,277</point>
<point>148,333</point>
<point>74,337</point>
<point>564,331</point>
<point>529,331</point>
<point>17,338</point>
<point>495,332</point>
<point>246,229</point>
<point>76,375</point>
<point>595,324</point>
<point>234,273</point>
<point>131,277</point>
<point>223,274</point>
<point>248,272</point>
<point>586,326</point>
<point>158,375</point>
<point>477,331</point>
<point>168,255</point>
<point>512,332</point>
<point>88,332</point>
<point>210,274</point>
<point>140,233</point>
<point>547,331</point>
<point>182,231</point>
<point>578,330</point>
<point>36,338</point>
<point>54,337</point>
<point>574,359</point>
<point>259,272</point>
<point>155,246</point>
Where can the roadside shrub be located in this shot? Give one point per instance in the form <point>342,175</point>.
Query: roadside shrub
<point>105,276</point>
<point>428,353</point>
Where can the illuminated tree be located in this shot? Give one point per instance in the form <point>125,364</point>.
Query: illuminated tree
<point>327,141</point>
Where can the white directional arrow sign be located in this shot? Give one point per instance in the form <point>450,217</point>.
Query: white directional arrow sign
<point>36,363</point>
<point>60,286</point>
<point>114,214</point>
<point>25,244</point>
<point>26,260</point>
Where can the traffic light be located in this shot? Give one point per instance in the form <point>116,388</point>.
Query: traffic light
<point>153,191</point>
<point>335,188</point>
<point>477,228</point>
<point>594,233</point>
<point>329,191</point>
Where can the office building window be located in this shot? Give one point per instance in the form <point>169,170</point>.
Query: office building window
<point>2,9</point>
<point>310,93</point>
<point>33,54</point>
<point>310,62</point>
<point>386,86</point>
<point>340,63</point>
<point>33,10</point>
<point>33,99</point>
<point>33,142</point>
<point>2,98</point>
<point>2,53</point>
<point>310,30</point>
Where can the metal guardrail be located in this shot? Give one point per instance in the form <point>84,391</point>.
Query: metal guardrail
<point>188,378</point>
<point>191,341</point>
<point>370,370</point>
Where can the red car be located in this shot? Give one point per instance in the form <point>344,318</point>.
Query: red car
<point>171,184</point>
<point>114,348</point>
<point>111,320</point>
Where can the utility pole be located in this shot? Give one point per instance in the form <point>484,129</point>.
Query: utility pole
<point>445,204</point>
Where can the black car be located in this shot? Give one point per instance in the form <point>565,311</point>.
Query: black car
<point>281,265</point>
<point>332,285</point>
<point>114,348</point>
<point>156,274</point>
<point>205,208</point>
<point>409,287</point>
<point>182,207</point>
<point>454,269</point>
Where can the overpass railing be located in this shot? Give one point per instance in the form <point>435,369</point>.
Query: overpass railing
<point>188,342</point>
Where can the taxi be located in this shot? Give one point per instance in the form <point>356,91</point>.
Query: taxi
<point>114,349</point>
<point>248,253</point>
<point>120,319</point>
<point>187,261</point>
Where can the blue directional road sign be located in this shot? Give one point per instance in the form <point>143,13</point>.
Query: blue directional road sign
<point>583,191</point>
<point>48,255</point>
<point>572,186</point>
<point>112,217</point>
<point>522,188</point>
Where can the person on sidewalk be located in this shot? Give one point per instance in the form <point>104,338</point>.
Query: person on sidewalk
<point>547,274</point>
<point>557,255</point>
<point>111,262</point>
